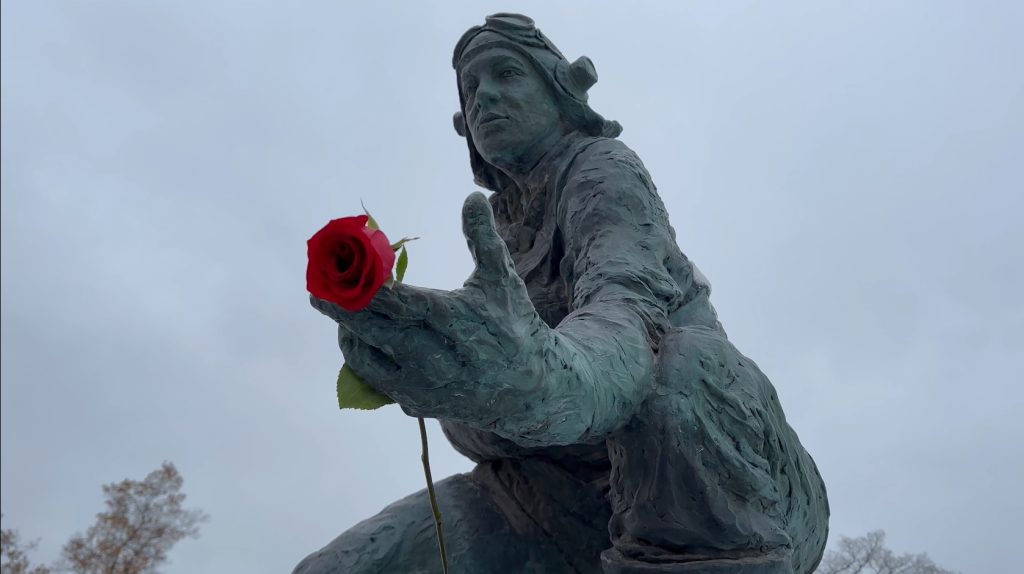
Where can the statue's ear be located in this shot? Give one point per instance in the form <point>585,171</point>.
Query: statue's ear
<point>459,121</point>
<point>576,78</point>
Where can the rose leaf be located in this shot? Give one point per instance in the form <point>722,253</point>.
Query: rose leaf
<point>403,262</point>
<point>353,393</point>
<point>370,221</point>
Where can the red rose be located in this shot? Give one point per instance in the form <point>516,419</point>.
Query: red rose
<point>348,262</point>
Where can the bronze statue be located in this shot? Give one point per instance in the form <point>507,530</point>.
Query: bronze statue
<point>581,366</point>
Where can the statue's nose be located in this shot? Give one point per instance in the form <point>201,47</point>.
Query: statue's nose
<point>486,94</point>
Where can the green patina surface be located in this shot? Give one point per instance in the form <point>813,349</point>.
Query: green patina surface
<point>582,365</point>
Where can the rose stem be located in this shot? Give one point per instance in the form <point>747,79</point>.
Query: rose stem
<point>433,498</point>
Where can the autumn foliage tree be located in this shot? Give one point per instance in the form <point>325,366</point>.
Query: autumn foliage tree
<point>868,555</point>
<point>143,521</point>
<point>13,555</point>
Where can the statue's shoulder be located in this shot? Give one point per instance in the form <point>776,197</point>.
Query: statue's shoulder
<point>601,158</point>
<point>588,147</point>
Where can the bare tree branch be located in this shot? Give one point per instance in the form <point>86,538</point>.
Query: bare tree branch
<point>868,555</point>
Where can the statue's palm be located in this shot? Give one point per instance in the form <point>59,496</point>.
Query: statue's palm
<point>414,337</point>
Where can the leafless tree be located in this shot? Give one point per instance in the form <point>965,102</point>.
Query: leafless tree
<point>143,521</point>
<point>13,557</point>
<point>868,555</point>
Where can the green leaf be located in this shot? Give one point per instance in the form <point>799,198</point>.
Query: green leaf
<point>353,393</point>
<point>370,222</point>
<point>403,262</point>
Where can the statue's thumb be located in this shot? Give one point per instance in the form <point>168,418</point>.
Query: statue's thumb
<point>489,252</point>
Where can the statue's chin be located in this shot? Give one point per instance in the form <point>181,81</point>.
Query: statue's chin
<point>501,159</point>
<point>513,152</point>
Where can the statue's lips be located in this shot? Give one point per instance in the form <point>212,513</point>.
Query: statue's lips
<point>491,119</point>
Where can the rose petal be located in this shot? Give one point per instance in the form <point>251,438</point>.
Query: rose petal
<point>380,244</point>
<point>348,262</point>
<point>349,256</point>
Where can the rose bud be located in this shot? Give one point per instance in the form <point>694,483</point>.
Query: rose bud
<point>348,262</point>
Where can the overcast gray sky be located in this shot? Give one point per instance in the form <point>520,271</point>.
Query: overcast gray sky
<point>847,175</point>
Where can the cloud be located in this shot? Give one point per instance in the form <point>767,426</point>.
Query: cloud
<point>848,180</point>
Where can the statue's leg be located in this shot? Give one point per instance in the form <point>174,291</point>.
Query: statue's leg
<point>479,534</point>
<point>709,477</point>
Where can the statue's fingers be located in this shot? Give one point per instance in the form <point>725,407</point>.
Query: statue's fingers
<point>368,325</point>
<point>407,354</point>
<point>490,254</point>
<point>369,362</point>
<point>332,310</point>
<point>406,302</point>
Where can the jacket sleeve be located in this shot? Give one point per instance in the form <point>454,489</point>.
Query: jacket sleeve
<point>583,379</point>
<point>596,367</point>
<point>618,246</point>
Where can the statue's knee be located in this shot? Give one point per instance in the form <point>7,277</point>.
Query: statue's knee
<point>401,533</point>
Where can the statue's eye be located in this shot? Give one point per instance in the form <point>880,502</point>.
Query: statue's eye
<point>509,72</point>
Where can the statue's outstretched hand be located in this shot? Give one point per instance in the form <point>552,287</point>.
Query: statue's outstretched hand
<point>411,338</point>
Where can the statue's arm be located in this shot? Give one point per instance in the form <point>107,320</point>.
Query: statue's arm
<point>619,241</point>
<point>617,238</point>
<point>482,356</point>
<point>598,363</point>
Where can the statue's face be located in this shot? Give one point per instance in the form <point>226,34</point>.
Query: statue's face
<point>510,110</point>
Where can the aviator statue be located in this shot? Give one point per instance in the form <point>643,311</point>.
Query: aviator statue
<point>582,367</point>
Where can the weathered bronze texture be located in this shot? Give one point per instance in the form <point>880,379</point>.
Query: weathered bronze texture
<point>582,365</point>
